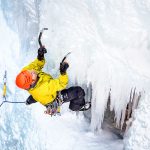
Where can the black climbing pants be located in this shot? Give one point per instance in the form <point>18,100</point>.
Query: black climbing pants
<point>74,95</point>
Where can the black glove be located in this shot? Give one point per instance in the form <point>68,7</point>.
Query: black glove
<point>63,68</point>
<point>41,52</point>
<point>30,100</point>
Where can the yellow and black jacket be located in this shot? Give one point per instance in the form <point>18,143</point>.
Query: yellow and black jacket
<point>46,88</point>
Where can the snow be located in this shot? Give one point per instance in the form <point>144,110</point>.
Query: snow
<point>68,131</point>
<point>138,136</point>
<point>109,44</point>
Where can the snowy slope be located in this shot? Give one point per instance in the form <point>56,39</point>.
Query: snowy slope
<point>66,132</point>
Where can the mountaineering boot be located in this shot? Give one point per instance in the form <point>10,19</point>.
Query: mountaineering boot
<point>87,106</point>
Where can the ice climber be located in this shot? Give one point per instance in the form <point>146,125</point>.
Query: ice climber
<point>50,92</point>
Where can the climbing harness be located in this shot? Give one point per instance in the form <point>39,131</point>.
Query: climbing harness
<point>53,108</point>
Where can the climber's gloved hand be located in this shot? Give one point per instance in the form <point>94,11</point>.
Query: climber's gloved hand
<point>27,103</point>
<point>30,100</point>
<point>63,68</point>
<point>41,51</point>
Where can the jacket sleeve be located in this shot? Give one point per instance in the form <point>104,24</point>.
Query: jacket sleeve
<point>36,65</point>
<point>59,83</point>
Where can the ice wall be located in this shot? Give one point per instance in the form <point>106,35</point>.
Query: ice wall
<point>23,18</point>
<point>9,130</point>
<point>109,41</point>
<point>14,121</point>
<point>138,136</point>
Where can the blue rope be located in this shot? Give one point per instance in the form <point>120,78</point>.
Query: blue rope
<point>9,102</point>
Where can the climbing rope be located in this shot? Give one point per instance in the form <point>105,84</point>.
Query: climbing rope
<point>4,87</point>
<point>5,91</point>
<point>9,102</point>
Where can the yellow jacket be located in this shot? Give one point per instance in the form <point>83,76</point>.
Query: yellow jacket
<point>46,88</point>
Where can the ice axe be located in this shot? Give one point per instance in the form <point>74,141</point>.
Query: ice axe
<point>40,35</point>
<point>65,57</point>
<point>41,45</point>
